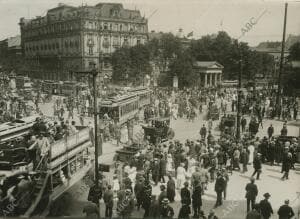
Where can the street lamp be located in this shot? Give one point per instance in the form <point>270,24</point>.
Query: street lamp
<point>238,119</point>
<point>239,89</point>
<point>93,72</point>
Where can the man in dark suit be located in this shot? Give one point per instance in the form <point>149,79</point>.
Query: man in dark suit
<point>257,166</point>
<point>251,193</point>
<point>285,211</point>
<point>108,198</point>
<point>185,194</point>
<point>286,164</point>
<point>219,188</point>
<point>265,206</point>
<point>197,199</point>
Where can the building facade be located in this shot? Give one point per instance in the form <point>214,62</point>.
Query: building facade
<point>70,39</point>
<point>11,54</point>
<point>209,73</point>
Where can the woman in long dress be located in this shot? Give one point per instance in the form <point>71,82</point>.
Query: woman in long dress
<point>181,174</point>
<point>170,164</point>
<point>251,153</point>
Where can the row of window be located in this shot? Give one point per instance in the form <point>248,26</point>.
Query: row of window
<point>128,108</point>
<point>67,27</point>
<point>116,27</point>
<point>75,44</point>
<point>54,28</point>
<point>52,46</point>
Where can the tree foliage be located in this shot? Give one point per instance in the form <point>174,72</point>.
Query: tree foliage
<point>173,58</point>
<point>131,63</point>
<point>295,52</point>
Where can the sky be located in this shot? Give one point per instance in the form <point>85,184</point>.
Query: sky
<point>200,16</point>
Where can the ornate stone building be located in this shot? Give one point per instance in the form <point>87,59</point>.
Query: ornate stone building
<point>209,73</point>
<point>73,38</point>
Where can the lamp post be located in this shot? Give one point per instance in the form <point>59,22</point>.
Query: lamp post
<point>94,74</point>
<point>278,102</point>
<point>238,119</point>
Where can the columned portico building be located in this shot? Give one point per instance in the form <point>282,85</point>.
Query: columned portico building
<point>209,73</point>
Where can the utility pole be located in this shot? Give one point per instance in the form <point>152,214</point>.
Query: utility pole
<point>94,74</point>
<point>281,62</point>
<point>238,119</point>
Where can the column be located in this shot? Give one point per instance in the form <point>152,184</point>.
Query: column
<point>205,80</point>
<point>210,79</point>
<point>216,79</point>
<point>220,78</point>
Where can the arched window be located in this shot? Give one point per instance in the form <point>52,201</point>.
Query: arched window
<point>105,26</point>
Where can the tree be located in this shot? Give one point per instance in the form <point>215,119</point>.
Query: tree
<point>131,63</point>
<point>121,64</point>
<point>182,67</point>
<point>140,62</point>
<point>295,52</point>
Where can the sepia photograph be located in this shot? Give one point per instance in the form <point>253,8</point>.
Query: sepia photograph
<point>150,109</point>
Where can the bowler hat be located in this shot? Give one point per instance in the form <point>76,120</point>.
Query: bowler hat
<point>267,195</point>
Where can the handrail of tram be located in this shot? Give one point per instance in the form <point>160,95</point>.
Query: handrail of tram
<point>37,199</point>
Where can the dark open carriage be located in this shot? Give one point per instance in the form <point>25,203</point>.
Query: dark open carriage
<point>159,130</point>
<point>227,124</point>
<point>213,112</point>
<point>127,152</point>
<point>13,158</point>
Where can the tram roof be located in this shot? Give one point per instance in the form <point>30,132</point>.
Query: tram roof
<point>114,101</point>
<point>139,89</point>
<point>160,119</point>
<point>16,123</point>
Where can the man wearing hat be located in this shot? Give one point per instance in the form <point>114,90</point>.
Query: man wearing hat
<point>185,194</point>
<point>163,193</point>
<point>166,211</point>
<point>285,211</point>
<point>251,193</point>
<point>286,163</point>
<point>146,197</point>
<point>219,188</point>
<point>155,170</point>
<point>257,166</point>
<point>265,206</point>
<point>284,130</point>
<point>197,197</point>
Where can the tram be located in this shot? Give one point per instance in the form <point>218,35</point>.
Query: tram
<point>68,88</point>
<point>144,95</point>
<point>23,82</point>
<point>121,108</point>
<point>67,163</point>
<point>51,87</point>
<point>16,128</point>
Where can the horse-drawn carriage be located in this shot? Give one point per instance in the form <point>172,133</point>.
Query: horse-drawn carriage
<point>127,153</point>
<point>227,124</point>
<point>213,112</point>
<point>159,130</point>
